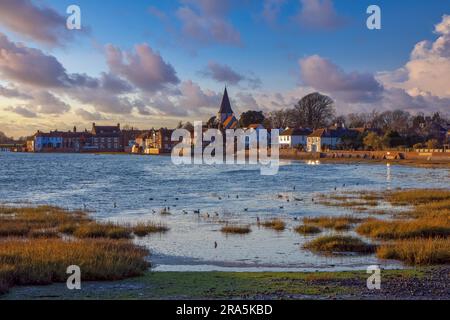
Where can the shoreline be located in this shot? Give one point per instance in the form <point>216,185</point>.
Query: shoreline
<point>408,284</point>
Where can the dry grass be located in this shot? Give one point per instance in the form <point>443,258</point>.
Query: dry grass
<point>275,224</point>
<point>33,249</point>
<point>417,196</point>
<point>102,230</point>
<point>144,229</point>
<point>404,229</point>
<point>307,229</point>
<point>337,223</point>
<point>418,251</point>
<point>339,244</point>
<point>236,229</point>
<point>45,261</point>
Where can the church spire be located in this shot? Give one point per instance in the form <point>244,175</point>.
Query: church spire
<point>225,107</point>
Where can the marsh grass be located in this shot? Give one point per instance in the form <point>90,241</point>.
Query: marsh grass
<point>35,249</point>
<point>417,251</point>
<point>307,229</point>
<point>340,223</point>
<point>275,224</point>
<point>236,229</point>
<point>418,196</point>
<point>144,229</point>
<point>404,229</point>
<point>339,244</point>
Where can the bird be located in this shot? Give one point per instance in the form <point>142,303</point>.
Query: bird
<point>295,218</point>
<point>177,199</point>
<point>220,198</point>
<point>237,197</point>
<point>294,187</point>
<point>197,211</point>
<point>151,199</point>
<point>215,244</point>
<point>245,209</point>
<point>115,205</point>
<point>281,207</point>
<point>257,219</point>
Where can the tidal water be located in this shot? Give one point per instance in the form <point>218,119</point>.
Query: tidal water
<point>128,188</point>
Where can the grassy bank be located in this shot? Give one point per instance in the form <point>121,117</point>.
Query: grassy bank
<point>37,244</point>
<point>396,284</point>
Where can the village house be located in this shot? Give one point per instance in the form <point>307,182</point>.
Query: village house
<point>106,138</point>
<point>294,138</point>
<point>158,141</point>
<point>328,138</point>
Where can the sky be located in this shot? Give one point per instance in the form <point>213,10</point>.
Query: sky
<point>153,63</point>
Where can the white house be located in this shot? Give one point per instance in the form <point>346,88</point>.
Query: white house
<point>327,138</point>
<point>292,138</point>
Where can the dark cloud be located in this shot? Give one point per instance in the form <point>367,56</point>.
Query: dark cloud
<point>89,116</point>
<point>39,23</point>
<point>323,75</point>
<point>47,103</point>
<point>144,67</point>
<point>22,111</point>
<point>225,74</point>
<point>319,14</point>
<point>205,21</point>
<point>13,93</point>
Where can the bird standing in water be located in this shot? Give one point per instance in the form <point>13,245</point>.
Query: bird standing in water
<point>215,245</point>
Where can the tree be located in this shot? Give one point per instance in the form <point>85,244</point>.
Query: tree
<point>281,119</point>
<point>188,126</point>
<point>373,141</point>
<point>314,111</point>
<point>251,117</point>
<point>4,138</point>
<point>212,123</point>
<point>392,139</point>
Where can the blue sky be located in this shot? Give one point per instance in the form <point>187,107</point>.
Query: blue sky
<point>258,52</point>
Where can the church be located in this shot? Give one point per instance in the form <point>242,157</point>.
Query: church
<point>225,117</point>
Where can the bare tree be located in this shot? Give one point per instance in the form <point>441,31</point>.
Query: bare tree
<point>314,111</point>
<point>281,118</point>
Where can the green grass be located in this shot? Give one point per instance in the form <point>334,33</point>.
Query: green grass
<point>227,285</point>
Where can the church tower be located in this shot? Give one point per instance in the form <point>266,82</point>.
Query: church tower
<point>226,117</point>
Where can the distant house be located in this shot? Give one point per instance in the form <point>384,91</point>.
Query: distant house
<point>159,141</point>
<point>106,138</point>
<point>328,138</point>
<point>293,138</point>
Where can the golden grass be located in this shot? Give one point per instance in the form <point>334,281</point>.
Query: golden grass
<point>275,224</point>
<point>403,229</point>
<point>45,261</point>
<point>33,249</point>
<point>102,230</point>
<point>144,229</point>
<point>417,251</point>
<point>339,223</point>
<point>418,196</point>
<point>235,229</point>
<point>339,244</point>
<point>307,229</point>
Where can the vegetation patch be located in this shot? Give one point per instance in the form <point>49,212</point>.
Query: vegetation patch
<point>403,229</point>
<point>236,229</point>
<point>307,229</point>
<point>35,250</point>
<point>339,244</point>
<point>417,251</point>
<point>144,229</point>
<point>340,223</point>
<point>275,224</point>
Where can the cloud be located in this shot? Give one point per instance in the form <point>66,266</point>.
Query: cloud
<point>225,74</point>
<point>30,66</point>
<point>205,21</point>
<point>143,67</point>
<point>194,97</point>
<point>318,14</point>
<point>428,69</point>
<point>89,116</point>
<point>39,23</point>
<point>47,103</point>
<point>271,10</point>
<point>247,101</point>
<point>22,111</point>
<point>352,87</point>
<point>222,73</point>
<point>13,93</point>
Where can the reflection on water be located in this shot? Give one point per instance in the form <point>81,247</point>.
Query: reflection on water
<point>141,186</point>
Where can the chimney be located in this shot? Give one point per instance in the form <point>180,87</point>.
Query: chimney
<point>74,129</point>
<point>118,125</point>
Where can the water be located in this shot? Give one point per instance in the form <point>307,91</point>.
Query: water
<point>139,185</point>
